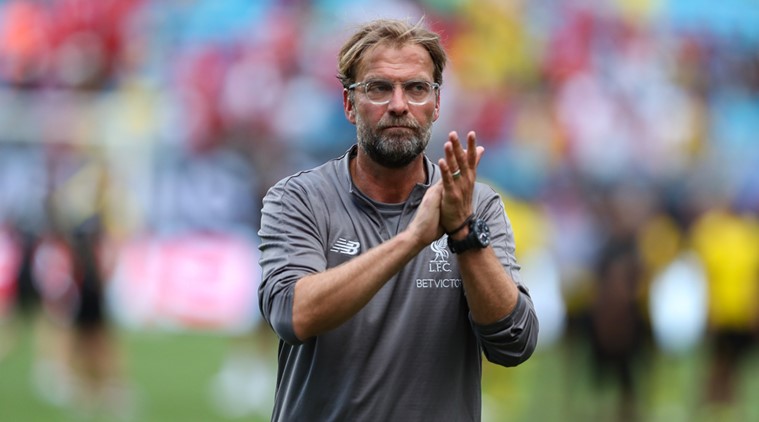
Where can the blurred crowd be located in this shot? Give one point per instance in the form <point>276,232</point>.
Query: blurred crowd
<point>621,133</point>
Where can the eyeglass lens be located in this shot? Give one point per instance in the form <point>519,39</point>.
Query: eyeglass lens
<point>416,92</point>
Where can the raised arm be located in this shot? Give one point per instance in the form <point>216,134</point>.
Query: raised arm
<point>503,311</point>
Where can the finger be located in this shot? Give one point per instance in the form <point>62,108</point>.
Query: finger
<point>453,137</point>
<point>459,152</point>
<point>474,152</point>
<point>445,171</point>
<point>471,149</point>
<point>449,148</point>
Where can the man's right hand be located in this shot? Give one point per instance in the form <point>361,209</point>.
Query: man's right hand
<point>426,223</point>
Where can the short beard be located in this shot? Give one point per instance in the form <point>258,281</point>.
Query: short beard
<point>393,151</point>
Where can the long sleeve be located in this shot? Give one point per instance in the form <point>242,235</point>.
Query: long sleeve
<point>513,339</point>
<point>290,249</point>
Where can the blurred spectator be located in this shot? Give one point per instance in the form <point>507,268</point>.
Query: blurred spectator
<point>97,361</point>
<point>617,324</point>
<point>728,244</point>
<point>678,320</point>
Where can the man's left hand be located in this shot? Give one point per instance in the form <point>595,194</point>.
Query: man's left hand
<point>459,171</point>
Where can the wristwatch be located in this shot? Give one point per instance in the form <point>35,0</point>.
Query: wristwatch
<point>478,237</point>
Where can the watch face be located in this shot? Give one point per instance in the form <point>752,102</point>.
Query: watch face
<point>483,233</point>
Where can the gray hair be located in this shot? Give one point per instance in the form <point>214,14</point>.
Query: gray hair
<point>393,32</point>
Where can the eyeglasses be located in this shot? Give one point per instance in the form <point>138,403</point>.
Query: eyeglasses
<point>380,91</point>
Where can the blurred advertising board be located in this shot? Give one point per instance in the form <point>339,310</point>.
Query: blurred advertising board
<point>195,281</point>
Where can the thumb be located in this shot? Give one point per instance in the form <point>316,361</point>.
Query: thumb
<point>480,153</point>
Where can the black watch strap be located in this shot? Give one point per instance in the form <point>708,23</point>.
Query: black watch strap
<point>478,237</point>
<point>461,227</point>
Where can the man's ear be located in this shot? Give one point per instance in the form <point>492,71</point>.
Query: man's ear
<point>437,107</point>
<point>348,107</point>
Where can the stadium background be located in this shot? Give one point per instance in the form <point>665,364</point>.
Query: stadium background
<point>619,125</point>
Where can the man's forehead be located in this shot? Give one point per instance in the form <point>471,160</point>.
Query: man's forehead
<point>394,57</point>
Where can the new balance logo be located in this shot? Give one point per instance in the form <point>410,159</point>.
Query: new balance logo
<point>347,247</point>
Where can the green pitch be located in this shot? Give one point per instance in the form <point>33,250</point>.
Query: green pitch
<point>170,377</point>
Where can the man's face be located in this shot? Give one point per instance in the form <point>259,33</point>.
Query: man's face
<point>393,134</point>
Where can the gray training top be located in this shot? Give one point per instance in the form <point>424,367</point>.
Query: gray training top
<point>412,353</point>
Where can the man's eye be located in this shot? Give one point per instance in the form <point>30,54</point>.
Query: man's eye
<point>417,87</point>
<point>379,87</point>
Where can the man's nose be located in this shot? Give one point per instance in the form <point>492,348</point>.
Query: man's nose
<point>398,103</point>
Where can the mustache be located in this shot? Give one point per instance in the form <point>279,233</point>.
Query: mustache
<point>395,122</point>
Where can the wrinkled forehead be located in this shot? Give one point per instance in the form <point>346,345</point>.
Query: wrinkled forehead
<point>395,61</point>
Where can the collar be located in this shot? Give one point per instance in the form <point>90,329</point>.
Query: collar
<point>433,175</point>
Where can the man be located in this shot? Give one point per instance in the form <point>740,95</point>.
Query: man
<point>379,273</point>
